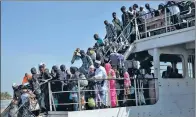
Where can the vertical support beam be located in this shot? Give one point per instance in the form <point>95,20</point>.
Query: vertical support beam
<point>165,19</point>
<point>185,65</point>
<point>50,100</point>
<point>145,30</point>
<point>193,68</point>
<point>156,63</point>
<point>136,93</point>
<point>156,60</point>
<point>195,40</point>
<point>79,96</point>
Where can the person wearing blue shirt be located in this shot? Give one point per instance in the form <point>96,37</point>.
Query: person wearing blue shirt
<point>99,40</point>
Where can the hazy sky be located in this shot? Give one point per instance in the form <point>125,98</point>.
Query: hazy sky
<point>34,32</point>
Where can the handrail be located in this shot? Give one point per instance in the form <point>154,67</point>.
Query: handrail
<point>165,25</point>
<point>118,37</point>
<point>6,110</point>
<point>136,90</point>
<point>99,79</point>
<point>136,26</point>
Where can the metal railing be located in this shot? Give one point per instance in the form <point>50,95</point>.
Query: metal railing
<point>121,36</point>
<point>137,98</point>
<point>164,24</point>
<point>22,106</point>
<point>165,27</point>
<point>191,66</point>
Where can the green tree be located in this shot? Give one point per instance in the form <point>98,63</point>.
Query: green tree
<point>5,96</point>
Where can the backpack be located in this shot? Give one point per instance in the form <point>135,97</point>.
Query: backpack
<point>83,81</point>
<point>91,102</point>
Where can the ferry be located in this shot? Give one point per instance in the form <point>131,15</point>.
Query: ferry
<point>160,44</point>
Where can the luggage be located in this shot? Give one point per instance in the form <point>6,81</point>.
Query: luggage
<point>83,81</point>
<point>91,102</point>
<point>34,106</point>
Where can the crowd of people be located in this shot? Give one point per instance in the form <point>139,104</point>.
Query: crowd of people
<point>121,33</point>
<point>105,78</point>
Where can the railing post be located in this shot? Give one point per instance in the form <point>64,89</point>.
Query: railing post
<point>49,90</point>
<point>79,96</point>
<point>165,19</point>
<point>108,91</point>
<point>135,86</point>
<point>136,31</point>
<point>145,30</point>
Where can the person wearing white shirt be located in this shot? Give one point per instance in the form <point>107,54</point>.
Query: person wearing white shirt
<point>142,13</point>
<point>142,18</point>
<point>175,13</point>
<point>150,11</point>
<point>135,10</point>
<point>102,85</point>
<point>130,10</point>
<point>151,85</point>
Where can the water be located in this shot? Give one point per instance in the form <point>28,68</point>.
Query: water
<point>5,103</point>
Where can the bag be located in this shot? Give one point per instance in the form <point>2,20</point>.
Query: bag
<point>132,90</point>
<point>83,102</point>
<point>34,105</point>
<point>141,97</point>
<point>13,111</point>
<point>73,94</point>
<point>56,102</point>
<point>83,81</point>
<point>91,102</point>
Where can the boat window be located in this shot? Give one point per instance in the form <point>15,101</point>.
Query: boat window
<point>191,66</point>
<point>171,66</point>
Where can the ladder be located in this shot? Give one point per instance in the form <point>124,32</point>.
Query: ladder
<point>125,38</point>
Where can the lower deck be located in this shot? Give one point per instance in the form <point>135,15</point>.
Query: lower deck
<point>176,98</point>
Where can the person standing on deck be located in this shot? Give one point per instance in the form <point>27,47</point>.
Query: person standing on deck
<point>102,84</point>
<point>151,84</point>
<point>73,87</point>
<point>175,13</point>
<point>150,11</point>
<point>142,17</point>
<point>112,85</point>
<point>37,90</point>
<point>126,19</point>
<point>44,75</point>
<point>117,24</point>
<point>26,78</point>
<point>135,10</point>
<point>130,10</point>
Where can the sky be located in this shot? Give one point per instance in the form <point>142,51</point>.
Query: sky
<point>49,32</point>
